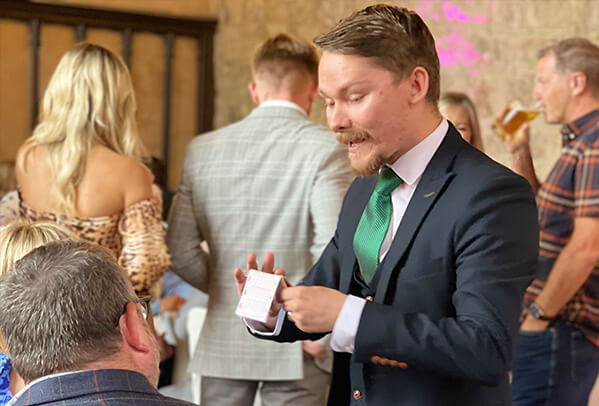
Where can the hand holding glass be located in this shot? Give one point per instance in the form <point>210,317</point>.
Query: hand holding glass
<point>512,118</point>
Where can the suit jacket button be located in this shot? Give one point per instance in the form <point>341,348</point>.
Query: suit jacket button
<point>357,394</point>
<point>369,298</point>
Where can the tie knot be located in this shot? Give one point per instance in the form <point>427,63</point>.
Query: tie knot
<point>387,181</point>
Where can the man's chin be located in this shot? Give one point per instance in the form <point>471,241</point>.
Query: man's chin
<point>365,169</point>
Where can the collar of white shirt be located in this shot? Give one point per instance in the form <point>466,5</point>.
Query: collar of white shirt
<point>282,103</point>
<point>411,165</point>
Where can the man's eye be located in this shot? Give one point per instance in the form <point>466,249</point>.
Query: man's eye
<point>355,98</point>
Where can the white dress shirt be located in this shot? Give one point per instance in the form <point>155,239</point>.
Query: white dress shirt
<point>409,167</point>
<point>282,103</point>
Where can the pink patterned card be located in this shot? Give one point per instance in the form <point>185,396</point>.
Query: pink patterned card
<point>260,291</point>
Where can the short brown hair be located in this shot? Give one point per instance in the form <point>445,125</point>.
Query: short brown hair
<point>281,55</point>
<point>61,305</point>
<point>396,37</point>
<point>577,55</point>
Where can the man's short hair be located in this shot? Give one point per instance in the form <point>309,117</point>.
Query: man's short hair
<point>61,305</point>
<point>576,55</point>
<point>395,37</point>
<point>281,55</point>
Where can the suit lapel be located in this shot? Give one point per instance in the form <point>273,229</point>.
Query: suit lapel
<point>431,186</point>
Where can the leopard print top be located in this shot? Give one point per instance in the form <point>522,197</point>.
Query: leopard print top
<point>135,235</point>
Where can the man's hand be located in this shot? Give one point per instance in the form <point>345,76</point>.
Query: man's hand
<point>532,324</point>
<point>518,145</point>
<point>518,140</point>
<point>267,266</point>
<point>314,349</point>
<point>314,309</point>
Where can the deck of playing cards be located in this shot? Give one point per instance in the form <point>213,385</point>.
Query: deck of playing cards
<point>260,290</point>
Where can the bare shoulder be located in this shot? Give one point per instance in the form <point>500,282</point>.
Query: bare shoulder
<point>120,180</point>
<point>29,157</point>
<point>137,183</point>
<point>32,174</point>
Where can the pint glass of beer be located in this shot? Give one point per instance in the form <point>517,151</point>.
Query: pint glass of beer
<point>513,117</point>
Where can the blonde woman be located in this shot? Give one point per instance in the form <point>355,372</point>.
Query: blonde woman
<point>81,166</point>
<point>16,240</point>
<point>459,109</point>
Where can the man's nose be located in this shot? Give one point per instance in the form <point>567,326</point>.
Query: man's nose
<point>338,119</point>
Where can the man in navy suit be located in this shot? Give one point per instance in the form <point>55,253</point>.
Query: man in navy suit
<point>76,332</point>
<point>422,283</point>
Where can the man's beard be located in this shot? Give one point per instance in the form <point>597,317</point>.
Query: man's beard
<point>372,165</point>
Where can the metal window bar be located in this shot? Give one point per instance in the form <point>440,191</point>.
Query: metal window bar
<point>81,19</point>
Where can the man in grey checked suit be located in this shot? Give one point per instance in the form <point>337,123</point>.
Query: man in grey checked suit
<point>272,180</point>
<point>76,331</point>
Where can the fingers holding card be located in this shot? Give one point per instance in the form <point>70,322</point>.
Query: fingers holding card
<point>258,300</point>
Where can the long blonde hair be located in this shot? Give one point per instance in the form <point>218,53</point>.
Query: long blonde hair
<point>449,99</point>
<point>89,100</point>
<point>18,238</point>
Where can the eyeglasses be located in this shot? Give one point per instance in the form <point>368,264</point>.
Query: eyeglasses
<point>145,305</point>
<point>146,310</point>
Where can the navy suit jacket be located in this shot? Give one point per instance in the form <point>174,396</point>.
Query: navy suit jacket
<point>108,387</point>
<point>447,304</point>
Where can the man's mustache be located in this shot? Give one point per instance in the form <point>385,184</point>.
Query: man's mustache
<point>345,137</point>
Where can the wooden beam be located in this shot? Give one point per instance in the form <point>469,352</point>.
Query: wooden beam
<point>108,19</point>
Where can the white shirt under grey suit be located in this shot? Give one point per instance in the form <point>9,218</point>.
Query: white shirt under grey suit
<point>273,181</point>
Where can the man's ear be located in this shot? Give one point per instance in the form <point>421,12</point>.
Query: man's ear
<point>313,93</point>
<point>253,88</point>
<point>578,83</point>
<point>133,330</point>
<point>419,83</point>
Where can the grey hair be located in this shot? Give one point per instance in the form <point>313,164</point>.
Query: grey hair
<point>576,55</point>
<point>61,305</point>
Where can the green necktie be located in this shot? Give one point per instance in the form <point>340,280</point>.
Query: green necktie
<point>374,223</point>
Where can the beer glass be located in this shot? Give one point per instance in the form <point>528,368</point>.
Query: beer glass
<point>513,117</point>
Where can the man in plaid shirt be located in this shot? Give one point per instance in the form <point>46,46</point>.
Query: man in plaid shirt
<point>558,356</point>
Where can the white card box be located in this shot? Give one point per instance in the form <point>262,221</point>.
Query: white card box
<point>258,294</point>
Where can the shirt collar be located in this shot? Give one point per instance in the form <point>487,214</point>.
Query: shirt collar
<point>572,129</point>
<point>282,103</point>
<point>411,165</point>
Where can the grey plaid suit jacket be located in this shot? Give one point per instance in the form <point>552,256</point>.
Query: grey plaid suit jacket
<point>273,181</point>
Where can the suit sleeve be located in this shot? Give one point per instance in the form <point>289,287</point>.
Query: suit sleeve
<point>332,179</point>
<point>184,236</point>
<point>495,244</point>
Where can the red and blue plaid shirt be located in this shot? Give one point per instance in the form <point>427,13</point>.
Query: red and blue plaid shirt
<point>571,190</point>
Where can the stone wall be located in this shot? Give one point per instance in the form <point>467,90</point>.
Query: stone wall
<point>488,49</point>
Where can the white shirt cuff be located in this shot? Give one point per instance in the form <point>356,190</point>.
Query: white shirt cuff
<point>344,333</point>
<point>259,328</point>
